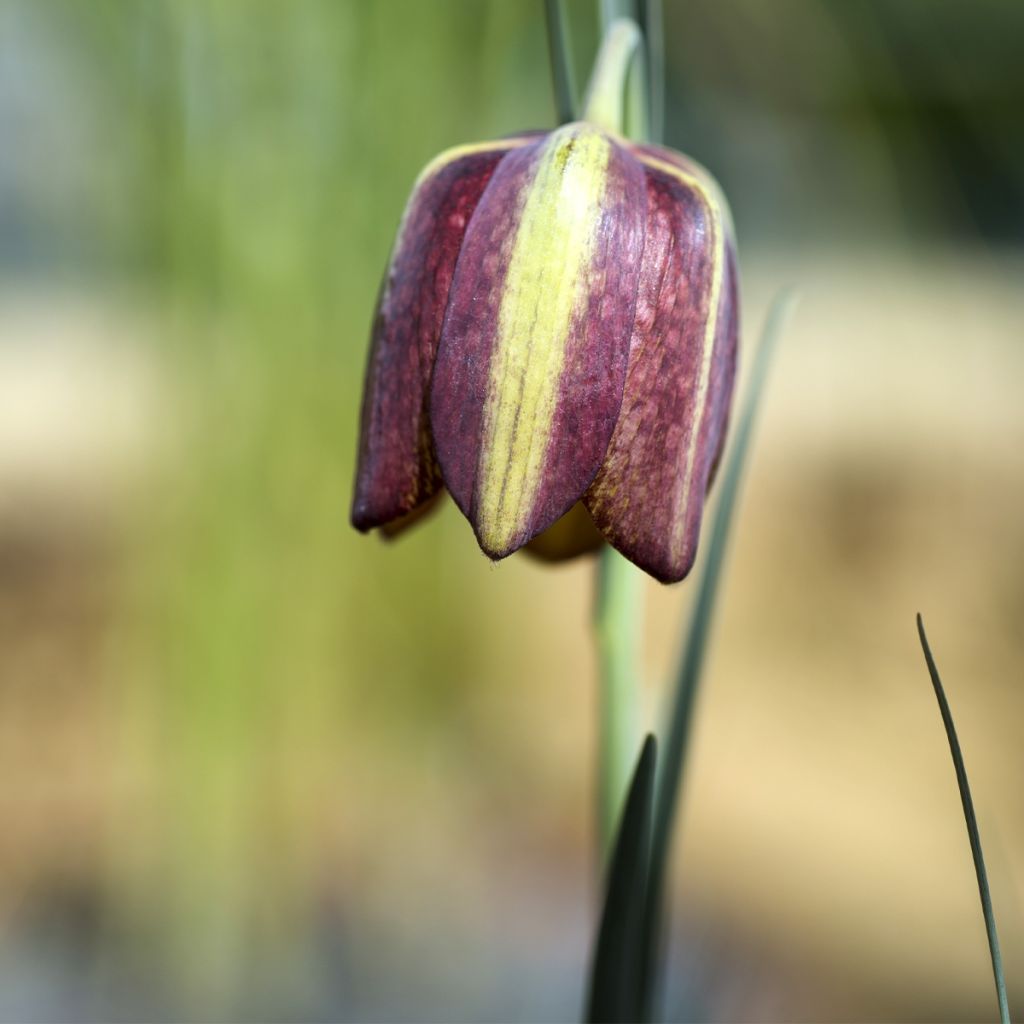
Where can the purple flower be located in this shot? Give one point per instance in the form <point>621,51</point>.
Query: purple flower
<point>556,334</point>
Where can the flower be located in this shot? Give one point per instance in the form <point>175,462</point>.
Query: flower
<point>558,326</point>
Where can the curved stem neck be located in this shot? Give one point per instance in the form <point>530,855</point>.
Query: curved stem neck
<point>605,101</point>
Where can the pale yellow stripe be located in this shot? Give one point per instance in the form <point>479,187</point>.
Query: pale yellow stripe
<point>543,286</point>
<point>714,205</point>
<point>449,156</point>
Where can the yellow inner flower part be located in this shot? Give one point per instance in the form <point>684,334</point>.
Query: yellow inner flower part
<point>545,282</point>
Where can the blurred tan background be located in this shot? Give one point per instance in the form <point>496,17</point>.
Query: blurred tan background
<point>254,766</point>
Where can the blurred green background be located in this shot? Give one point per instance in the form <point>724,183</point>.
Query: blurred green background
<point>255,766</point>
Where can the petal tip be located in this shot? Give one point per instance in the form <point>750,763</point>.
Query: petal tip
<point>390,522</point>
<point>497,544</point>
<point>365,515</point>
<point>360,520</point>
<point>660,565</point>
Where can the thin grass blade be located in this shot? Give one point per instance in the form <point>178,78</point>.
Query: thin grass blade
<point>972,826</point>
<point>651,17</point>
<point>616,977</point>
<point>670,774</point>
<point>563,78</point>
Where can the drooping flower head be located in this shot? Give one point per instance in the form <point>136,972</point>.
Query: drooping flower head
<point>557,327</point>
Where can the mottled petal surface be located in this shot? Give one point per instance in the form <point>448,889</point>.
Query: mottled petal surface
<point>532,362</point>
<point>648,497</point>
<point>694,171</point>
<point>397,470</point>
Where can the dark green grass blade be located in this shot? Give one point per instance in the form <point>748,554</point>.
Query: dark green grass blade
<point>972,826</point>
<point>562,77</point>
<point>670,772</point>
<point>615,978</point>
<point>651,18</point>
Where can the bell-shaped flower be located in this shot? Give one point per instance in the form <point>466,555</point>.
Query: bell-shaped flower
<point>557,327</point>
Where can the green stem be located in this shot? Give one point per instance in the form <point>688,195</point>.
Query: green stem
<point>652,24</point>
<point>638,108</point>
<point>604,104</point>
<point>562,77</point>
<point>617,619</point>
<point>617,614</point>
<point>609,10</point>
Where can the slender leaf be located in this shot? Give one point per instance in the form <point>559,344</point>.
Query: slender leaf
<point>616,977</point>
<point>563,78</point>
<point>651,17</point>
<point>670,774</point>
<point>972,826</point>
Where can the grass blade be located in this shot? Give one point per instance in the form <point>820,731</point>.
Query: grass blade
<point>652,24</point>
<point>616,978</point>
<point>670,774</point>
<point>972,826</point>
<point>563,78</point>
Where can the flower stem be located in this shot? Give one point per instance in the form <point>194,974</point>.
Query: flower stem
<point>617,620</point>
<point>617,612</point>
<point>605,101</point>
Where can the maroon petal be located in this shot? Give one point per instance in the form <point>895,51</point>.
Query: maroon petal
<point>648,497</point>
<point>397,470</point>
<point>531,366</point>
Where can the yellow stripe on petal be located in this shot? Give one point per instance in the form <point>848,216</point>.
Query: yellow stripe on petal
<point>469,149</point>
<point>546,278</point>
<point>715,207</point>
